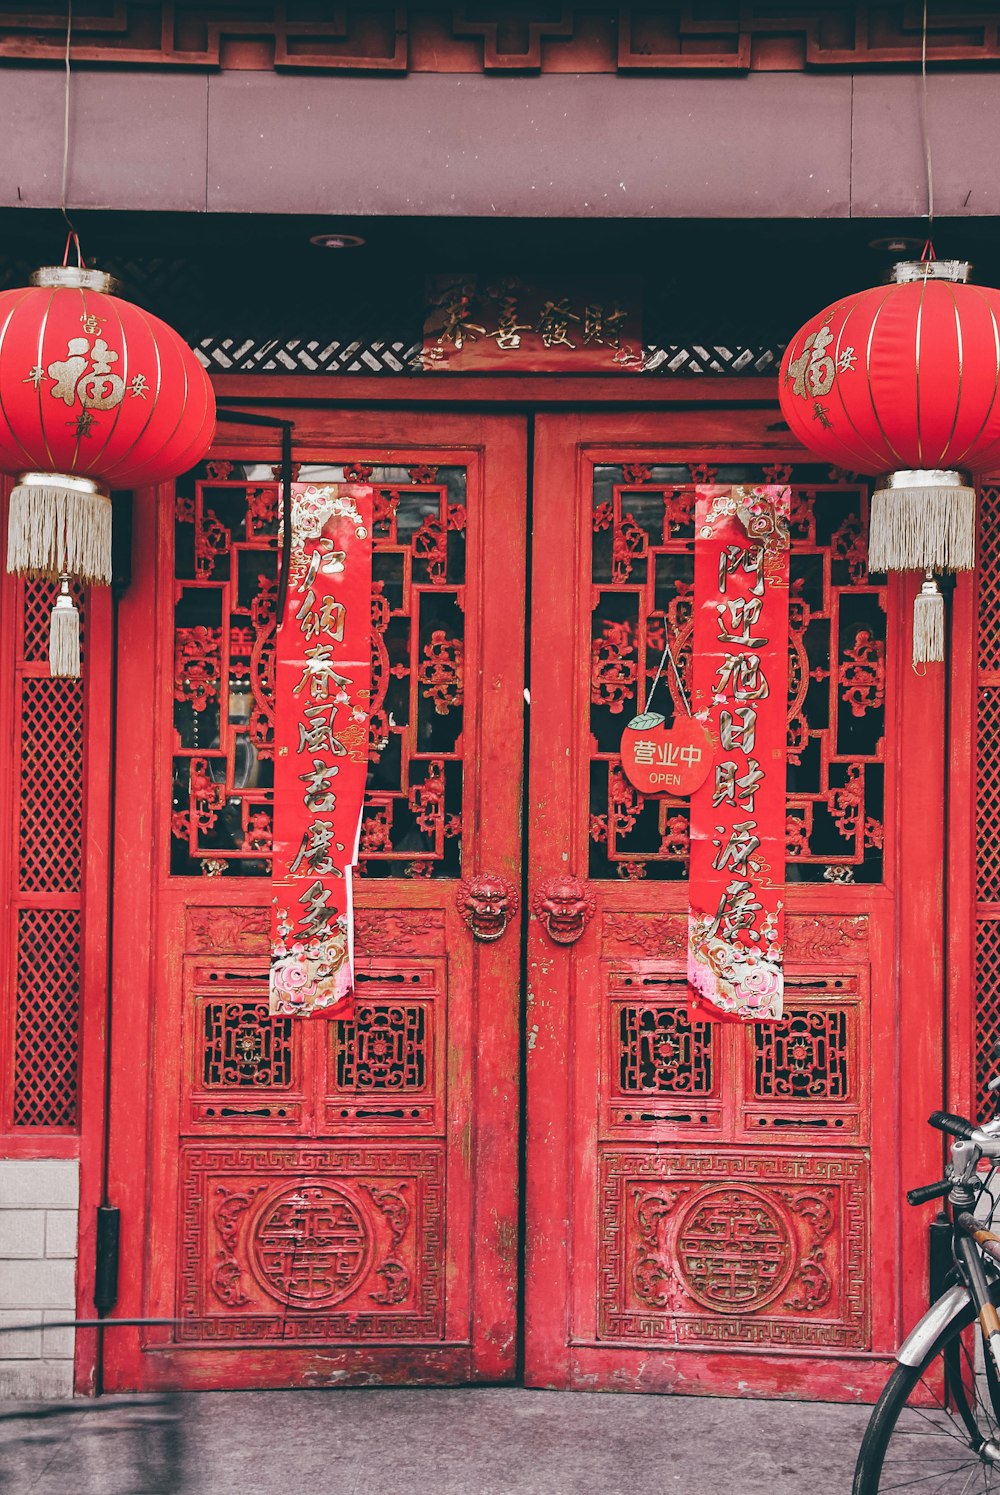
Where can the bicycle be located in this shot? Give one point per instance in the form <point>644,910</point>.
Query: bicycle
<point>936,1426</point>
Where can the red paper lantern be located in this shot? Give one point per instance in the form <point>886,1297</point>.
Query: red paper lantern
<point>94,394</point>
<point>904,381</point>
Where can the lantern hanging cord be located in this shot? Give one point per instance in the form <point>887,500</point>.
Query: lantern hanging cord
<point>924,129</point>
<point>73,235</point>
<point>668,654</point>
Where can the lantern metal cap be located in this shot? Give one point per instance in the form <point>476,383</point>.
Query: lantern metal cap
<point>69,482</point>
<point>908,270</point>
<point>74,278</point>
<point>924,477</point>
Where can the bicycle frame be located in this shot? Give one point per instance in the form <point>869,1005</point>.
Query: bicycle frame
<point>974,1245</point>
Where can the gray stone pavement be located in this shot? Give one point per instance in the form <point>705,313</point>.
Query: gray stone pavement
<point>488,1441</point>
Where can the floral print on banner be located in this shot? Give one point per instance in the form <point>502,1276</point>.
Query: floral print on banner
<point>322,699</point>
<point>736,920</point>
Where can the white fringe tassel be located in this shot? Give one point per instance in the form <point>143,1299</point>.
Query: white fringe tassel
<point>64,636</point>
<point>913,528</point>
<point>928,624</point>
<point>54,531</point>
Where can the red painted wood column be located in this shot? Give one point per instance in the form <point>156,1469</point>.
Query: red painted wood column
<point>920,944</point>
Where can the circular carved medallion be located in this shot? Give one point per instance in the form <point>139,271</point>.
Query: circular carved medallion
<point>310,1245</point>
<point>735,1250</point>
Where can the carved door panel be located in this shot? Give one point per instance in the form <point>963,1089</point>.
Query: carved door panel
<point>701,1196</point>
<point>322,1202</point>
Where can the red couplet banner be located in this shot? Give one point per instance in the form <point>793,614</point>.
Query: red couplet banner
<point>322,697</point>
<point>740,691</point>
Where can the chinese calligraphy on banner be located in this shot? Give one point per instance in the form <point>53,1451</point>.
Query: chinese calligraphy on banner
<point>474,324</point>
<point>736,921</point>
<point>322,695</point>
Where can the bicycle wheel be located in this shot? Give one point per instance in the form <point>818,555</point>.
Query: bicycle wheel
<point>934,1429</point>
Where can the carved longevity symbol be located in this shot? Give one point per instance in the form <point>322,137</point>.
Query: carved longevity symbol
<point>311,1245</point>
<point>487,903</point>
<point>564,906</point>
<point>734,1249</point>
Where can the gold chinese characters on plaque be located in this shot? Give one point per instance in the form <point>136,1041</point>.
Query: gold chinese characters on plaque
<point>475,323</point>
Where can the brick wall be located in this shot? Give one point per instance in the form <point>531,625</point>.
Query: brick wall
<point>38,1233</point>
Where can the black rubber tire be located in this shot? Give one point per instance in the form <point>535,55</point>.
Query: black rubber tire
<point>887,1410</point>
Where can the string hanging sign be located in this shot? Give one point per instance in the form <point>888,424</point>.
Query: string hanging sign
<point>666,760</point>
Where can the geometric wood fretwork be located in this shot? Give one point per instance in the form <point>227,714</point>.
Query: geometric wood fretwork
<point>43,955</point>
<point>311,1242</point>
<point>757,1248</point>
<point>578,37</point>
<point>804,1073</point>
<point>987,972</point>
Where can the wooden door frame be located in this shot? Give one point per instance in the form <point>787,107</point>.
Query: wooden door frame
<point>916,1046</point>
<point>493,1072</point>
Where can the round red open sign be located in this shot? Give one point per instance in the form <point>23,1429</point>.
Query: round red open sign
<point>661,761</point>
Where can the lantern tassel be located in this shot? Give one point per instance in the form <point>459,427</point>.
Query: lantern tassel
<point>928,623</point>
<point>59,526</point>
<point>922,520</point>
<point>64,635</point>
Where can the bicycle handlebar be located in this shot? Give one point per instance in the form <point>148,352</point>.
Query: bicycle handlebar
<point>946,1121</point>
<point>928,1191</point>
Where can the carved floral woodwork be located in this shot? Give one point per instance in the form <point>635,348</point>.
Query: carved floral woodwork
<point>441,672</point>
<point>808,937</point>
<point>415,931</point>
<point>564,906</point>
<point>243,1047</point>
<point>656,934</point>
<point>235,931</point>
<point>642,574</point>
<point>225,582</point>
<point>862,673</point>
<point>487,904</point>
<point>842,937</point>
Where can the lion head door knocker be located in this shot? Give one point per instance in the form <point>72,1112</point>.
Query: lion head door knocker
<point>487,904</point>
<point>564,905</point>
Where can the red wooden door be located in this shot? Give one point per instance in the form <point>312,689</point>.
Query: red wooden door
<point>321,1203</point>
<point>703,1200</point>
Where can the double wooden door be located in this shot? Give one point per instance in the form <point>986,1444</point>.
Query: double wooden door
<point>320,1203</point>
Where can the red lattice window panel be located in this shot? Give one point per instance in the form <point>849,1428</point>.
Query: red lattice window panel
<point>988,794</point>
<point>45,861</point>
<point>50,814</point>
<point>987,1008</point>
<point>47,1017</point>
<point>989,579</point>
